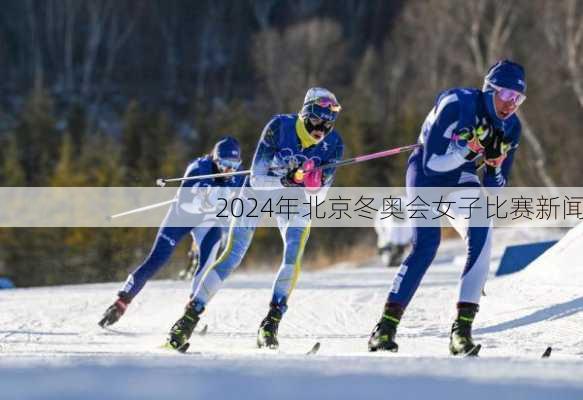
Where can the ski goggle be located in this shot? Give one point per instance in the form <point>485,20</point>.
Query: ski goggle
<point>508,95</point>
<point>228,163</point>
<point>328,103</point>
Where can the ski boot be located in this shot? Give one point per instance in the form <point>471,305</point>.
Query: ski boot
<point>115,311</point>
<point>460,339</point>
<point>267,334</point>
<point>182,329</point>
<point>383,335</point>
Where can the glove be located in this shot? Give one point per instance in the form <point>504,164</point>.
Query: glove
<point>477,140</point>
<point>294,178</point>
<point>307,175</point>
<point>496,152</point>
<point>312,175</point>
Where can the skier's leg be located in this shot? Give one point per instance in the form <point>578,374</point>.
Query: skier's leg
<point>212,278</point>
<point>208,246</point>
<point>425,243</point>
<point>210,281</point>
<point>477,233</point>
<point>424,247</point>
<point>166,240</point>
<point>295,238</point>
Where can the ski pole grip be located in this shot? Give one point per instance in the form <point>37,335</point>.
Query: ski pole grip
<point>161,182</point>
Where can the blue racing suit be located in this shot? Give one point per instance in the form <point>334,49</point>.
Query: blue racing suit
<point>207,236</point>
<point>439,163</point>
<point>280,146</point>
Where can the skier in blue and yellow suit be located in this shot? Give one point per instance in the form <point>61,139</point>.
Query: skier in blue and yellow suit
<point>465,125</point>
<point>289,142</point>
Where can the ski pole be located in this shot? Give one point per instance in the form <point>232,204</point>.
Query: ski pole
<point>163,181</point>
<point>140,209</point>
<point>372,156</point>
<point>354,160</point>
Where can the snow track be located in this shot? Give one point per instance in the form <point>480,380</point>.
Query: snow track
<point>51,346</point>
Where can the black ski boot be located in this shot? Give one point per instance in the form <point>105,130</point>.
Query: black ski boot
<point>383,335</point>
<point>115,311</point>
<point>267,334</point>
<point>182,329</point>
<point>460,339</point>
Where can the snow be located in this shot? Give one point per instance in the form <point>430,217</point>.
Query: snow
<point>52,348</point>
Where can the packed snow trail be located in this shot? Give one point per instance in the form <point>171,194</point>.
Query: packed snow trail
<point>50,336</point>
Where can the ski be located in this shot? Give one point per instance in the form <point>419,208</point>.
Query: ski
<point>182,349</point>
<point>314,349</point>
<point>186,345</point>
<point>473,352</point>
<point>203,331</point>
<point>547,352</point>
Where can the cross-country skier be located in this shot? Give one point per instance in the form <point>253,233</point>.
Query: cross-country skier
<point>225,157</point>
<point>294,143</point>
<point>465,125</point>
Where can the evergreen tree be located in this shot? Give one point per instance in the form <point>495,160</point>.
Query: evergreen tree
<point>131,142</point>
<point>12,170</point>
<point>38,139</point>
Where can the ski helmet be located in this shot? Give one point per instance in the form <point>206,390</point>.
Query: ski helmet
<point>227,154</point>
<point>320,110</point>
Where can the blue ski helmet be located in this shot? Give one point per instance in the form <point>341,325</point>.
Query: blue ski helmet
<point>227,154</point>
<point>506,74</point>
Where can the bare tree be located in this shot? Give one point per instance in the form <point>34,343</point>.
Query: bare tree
<point>466,37</point>
<point>35,45</point>
<point>563,26</point>
<point>262,10</point>
<point>98,14</point>
<point>304,55</point>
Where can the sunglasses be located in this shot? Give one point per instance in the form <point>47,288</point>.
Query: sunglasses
<point>509,95</point>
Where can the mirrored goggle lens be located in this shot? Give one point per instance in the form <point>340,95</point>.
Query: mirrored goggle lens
<point>509,95</point>
<point>226,163</point>
<point>329,103</point>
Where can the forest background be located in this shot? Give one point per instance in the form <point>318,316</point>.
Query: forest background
<point>119,92</point>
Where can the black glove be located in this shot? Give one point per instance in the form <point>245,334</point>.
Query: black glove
<point>495,153</point>
<point>289,179</point>
<point>477,140</point>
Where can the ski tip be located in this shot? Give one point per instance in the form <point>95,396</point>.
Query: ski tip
<point>314,349</point>
<point>547,352</point>
<point>204,330</point>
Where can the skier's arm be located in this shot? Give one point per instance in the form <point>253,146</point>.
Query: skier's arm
<point>328,174</point>
<point>498,177</point>
<point>260,176</point>
<point>201,194</point>
<point>441,153</point>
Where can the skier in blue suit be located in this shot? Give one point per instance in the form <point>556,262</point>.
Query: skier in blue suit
<point>225,157</point>
<point>464,126</point>
<point>289,144</point>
